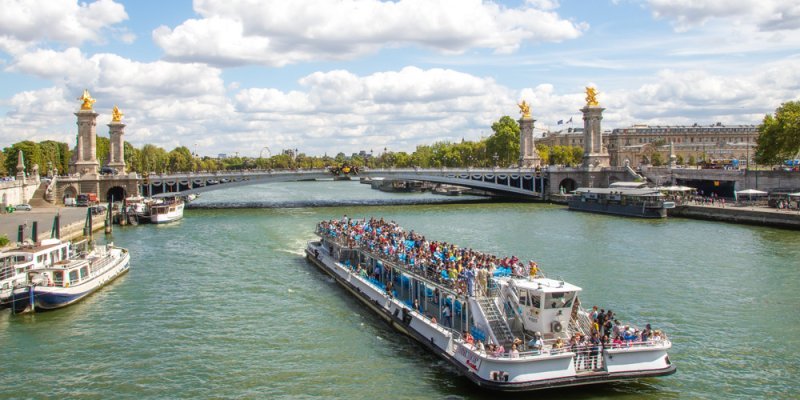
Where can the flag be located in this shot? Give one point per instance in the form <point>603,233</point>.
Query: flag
<point>570,120</point>
<point>560,122</point>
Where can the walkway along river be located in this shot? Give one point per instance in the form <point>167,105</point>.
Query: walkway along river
<point>223,304</point>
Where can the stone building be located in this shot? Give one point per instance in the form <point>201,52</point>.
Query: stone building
<point>637,144</point>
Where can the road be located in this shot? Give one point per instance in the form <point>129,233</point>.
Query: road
<point>9,223</point>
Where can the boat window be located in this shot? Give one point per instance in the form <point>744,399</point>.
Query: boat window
<point>559,300</point>
<point>523,297</point>
<point>84,272</point>
<point>535,300</point>
<point>73,275</point>
<point>40,258</point>
<point>58,278</point>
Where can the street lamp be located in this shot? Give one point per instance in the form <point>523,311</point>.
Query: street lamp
<point>495,157</point>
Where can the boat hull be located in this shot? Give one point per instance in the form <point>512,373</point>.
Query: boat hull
<point>618,209</point>
<point>475,367</point>
<point>46,298</point>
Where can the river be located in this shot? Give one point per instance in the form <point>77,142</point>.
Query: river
<point>222,304</point>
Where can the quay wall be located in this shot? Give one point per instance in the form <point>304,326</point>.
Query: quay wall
<point>787,219</point>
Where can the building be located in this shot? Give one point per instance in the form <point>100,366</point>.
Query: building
<point>638,144</point>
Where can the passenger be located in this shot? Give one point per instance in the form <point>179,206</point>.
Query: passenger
<point>558,346</point>
<point>647,333</point>
<point>480,347</point>
<point>499,350</point>
<point>514,352</point>
<point>446,316</point>
<point>536,344</point>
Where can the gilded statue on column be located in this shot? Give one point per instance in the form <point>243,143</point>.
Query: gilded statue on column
<point>524,109</point>
<point>87,100</point>
<point>591,96</point>
<point>116,114</point>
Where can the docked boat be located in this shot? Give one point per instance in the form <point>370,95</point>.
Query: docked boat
<point>166,207</point>
<point>504,331</point>
<point>15,264</point>
<point>632,202</point>
<point>69,280</point>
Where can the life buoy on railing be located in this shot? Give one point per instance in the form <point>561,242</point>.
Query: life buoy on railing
<point>557,327</point>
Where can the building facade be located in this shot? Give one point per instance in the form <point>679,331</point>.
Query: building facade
<point>638,144</point>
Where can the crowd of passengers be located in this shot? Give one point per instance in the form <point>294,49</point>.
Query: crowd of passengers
<point>461,268</point>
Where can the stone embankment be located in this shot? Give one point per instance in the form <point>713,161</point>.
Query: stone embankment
<point>740,215</point>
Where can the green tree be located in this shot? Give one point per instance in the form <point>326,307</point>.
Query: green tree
<point>153,159</point>
<point>779,135</point>
<point>505,141</point>
<point>679,160</point>
<point>576,155</point>
<point>657,159</point>
<point>30,153</point>
<point>544,153</point>
<point>103,148</point>
<point>3,171</point>
<point>692,161</point>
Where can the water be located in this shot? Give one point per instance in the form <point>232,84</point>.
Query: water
<point>223,305</point>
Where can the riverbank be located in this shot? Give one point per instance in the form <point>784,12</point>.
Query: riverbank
<point>762,216</point>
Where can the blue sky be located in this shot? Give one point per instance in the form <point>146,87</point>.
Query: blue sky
<point>330,76</point>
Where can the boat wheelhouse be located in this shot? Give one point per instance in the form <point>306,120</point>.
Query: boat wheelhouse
<point>67,281</point>
<point>15,264</point>
<point>636,202</point>
<point>525,323</point>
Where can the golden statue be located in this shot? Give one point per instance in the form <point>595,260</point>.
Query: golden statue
<point>87,100</point>
<point>116,115</point>
<point>524,109</point>
<point>591,96</point>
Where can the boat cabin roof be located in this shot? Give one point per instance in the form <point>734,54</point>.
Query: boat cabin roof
<point>43,246</point>
<point>629,185</point>
<point>546,285</point>
<point>625,192</point>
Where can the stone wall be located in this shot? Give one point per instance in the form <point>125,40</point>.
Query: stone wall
<point>17,192</point>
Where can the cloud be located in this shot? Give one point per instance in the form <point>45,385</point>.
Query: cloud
<point>278,33</point>
<point>66,21</point>
<point>763,15</point>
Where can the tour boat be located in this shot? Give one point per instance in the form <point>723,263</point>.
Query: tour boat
<point>15,264</point>
<point>632,202</point>
<point>69,280</point>
<point>167,207</point>
<point>507,312</point>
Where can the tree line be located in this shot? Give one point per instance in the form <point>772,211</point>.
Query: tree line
<point>779,139</point>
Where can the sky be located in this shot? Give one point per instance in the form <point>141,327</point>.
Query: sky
<point>255,77</point>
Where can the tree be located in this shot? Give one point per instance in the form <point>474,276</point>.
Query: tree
<point>544,153</point>
<point>779,135</point>
<point>577,155</point>
<point>505,141</point>
<point>30,153</point>
<point>103,148</point>
<point>656,159</point>
<point>692,161</point>
<point>679,160</point>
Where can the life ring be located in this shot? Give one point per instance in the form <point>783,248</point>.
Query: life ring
<point>557,327</point>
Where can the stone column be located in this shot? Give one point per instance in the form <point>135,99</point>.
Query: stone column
<point>116,156</point>
<point>86,160</point>
<point>21,167</point>
<point>594,154</point>
<point>528,156</point>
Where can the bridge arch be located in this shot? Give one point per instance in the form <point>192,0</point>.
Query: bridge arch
<point>70,192</point>
<point>116,193</point>
<point>568,184</point>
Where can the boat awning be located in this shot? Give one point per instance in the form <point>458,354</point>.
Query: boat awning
<point>163,195</point>
<point>752,192</point>
<point>622,191</point>
<point>629,185</point>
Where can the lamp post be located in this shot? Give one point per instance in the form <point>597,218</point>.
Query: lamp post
<point>495,157</point>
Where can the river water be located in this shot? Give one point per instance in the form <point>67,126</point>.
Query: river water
<point>223,305</point>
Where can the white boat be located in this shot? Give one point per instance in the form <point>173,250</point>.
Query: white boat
<point>532,315</point>
<point>68,281</point>
<point>15,264</point>
<point>166,207</point>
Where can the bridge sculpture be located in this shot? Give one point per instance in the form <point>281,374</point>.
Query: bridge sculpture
<point>518,183</point>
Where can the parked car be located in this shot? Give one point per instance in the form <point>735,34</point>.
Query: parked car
<point>23,207</point>
<point>97,210</point>
<point>108,171</point>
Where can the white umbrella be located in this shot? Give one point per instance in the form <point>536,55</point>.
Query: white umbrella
<point>794,194</point>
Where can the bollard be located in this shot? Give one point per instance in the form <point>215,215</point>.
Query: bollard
<point>21,234</point>
<point>35,231</point>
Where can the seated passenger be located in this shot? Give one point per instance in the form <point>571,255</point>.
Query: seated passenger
<point>514,353</point>
<point>536,344</point>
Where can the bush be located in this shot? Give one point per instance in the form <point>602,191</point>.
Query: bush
<point>3,240</point>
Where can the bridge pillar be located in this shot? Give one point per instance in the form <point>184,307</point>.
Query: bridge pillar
<point>528,155</point>
<point>116,152</point>
<point>85,157</point>
<point>595,155</point>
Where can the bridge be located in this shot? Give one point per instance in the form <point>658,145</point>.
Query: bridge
<point>518,183</point>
